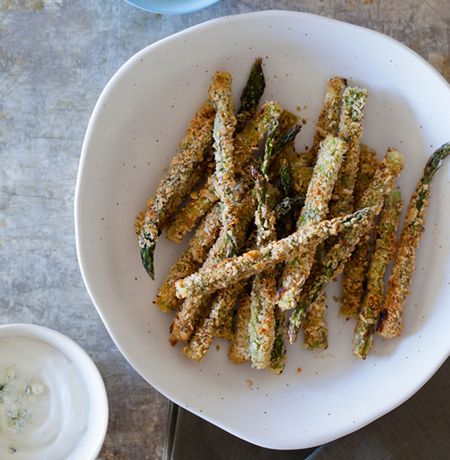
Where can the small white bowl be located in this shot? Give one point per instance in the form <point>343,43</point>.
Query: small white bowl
<point>92,440</point>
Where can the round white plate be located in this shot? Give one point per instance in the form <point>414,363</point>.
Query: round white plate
<point>134,131</point>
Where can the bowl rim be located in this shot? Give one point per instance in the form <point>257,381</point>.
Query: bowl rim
<point>84,365</point>
<point>189,6</point>
<point>89,132</point>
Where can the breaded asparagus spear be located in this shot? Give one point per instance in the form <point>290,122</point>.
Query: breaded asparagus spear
<point>278,353</point>
<point>223,274</point>
<point>183,173</point>
<point>315,331</point>
<point>201,202</point>
<point>331,265</point>
<point>195,209</point>
<point>216,323</point>
<point>315,324</point>
<point>253,90</point>
<point>368,164</point>
<point>350,130</point>
<point>222,308</point>
<point>413,227</point>
<point>355,272</point>
<point>186,320</point>
<point>239,344</point>
<point>191,259</point>
<point>187,217</point>
<point>314,210</point>
<point>224,126</point>
<point>328,121</point>
<point>245,143</point>
<point>335,258</point>
<point>263,296</point>
<point>223,304</point>
<point>384,252</point>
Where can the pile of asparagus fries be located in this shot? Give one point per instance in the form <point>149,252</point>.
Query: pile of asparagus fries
<point>274,226</point>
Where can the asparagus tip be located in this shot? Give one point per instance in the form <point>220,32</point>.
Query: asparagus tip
<point>436,159</point>
<point>147,259</point>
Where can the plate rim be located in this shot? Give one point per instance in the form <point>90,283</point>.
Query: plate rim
<point>337,432</point>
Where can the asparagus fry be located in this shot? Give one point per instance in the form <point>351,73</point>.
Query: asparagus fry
<point>368,164</point>
<point>222,306</point>
<point>350,130</point>
<point>191,259</point>
<point>224,126</point>
<point>188,316</point>
<point>278,353</point>
<point>194,210</point>
<point>315,332</point>
<point>331,265</point>
<point>245,143</point>
<point>413,227</point>
<point>197,207</point>
<point>383,254</point>
<point>184,171</point>
<point>334,260</point>
<point>215,323</point>
<point>314,210</point>
<point>263,297</point>
<point>239,344</point>
<point>251,94</point>
<point>314,327</point>
<point>355,271</point>
<point>328,121</point>
<point>229,271</point>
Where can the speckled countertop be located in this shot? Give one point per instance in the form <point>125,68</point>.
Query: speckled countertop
<point>55,58</point>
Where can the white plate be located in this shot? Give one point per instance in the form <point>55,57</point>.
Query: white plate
<point>134,131</point>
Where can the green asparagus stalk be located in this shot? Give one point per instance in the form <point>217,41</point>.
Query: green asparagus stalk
<point>201,202</point>
<point>224,126</point>
<point>184,171</point>
<point>245,143</point>
<point>191,260</point>
<point>251,94</point>
<point>215,323</point>
<point>384,252</point>
<point>238,352</point>
<point>315,331</point>
<point>328,121</point>
<point>315,209</point>
<point>187,318</point>
<point>331,266</point>
<point>278,353</point>
<point>222,306</point>
<point>335,258</point>
<point>355,272</point>
<point>391,320</point>
<point>229,271</point>
<point>263,297</point>
<point>350,130</point>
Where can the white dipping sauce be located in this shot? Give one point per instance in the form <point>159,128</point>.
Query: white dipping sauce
<point>43,401</point>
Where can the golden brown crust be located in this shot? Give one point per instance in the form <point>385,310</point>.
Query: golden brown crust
<point>328,121</point>
<point>191,259</point>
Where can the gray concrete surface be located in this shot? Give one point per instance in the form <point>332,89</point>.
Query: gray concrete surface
<point>55,58</point>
